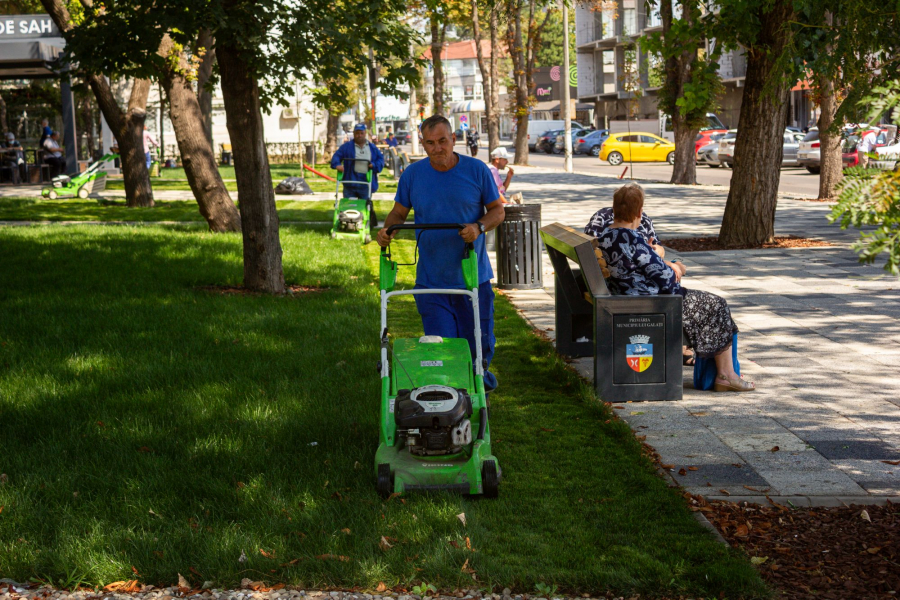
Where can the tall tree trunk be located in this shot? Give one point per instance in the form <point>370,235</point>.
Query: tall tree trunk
<point>831,164</point>
<point>127,127</point>
<point>196,152</point>
<point>494,119</point>
<point>485,68</point>
<point>678,75</point>
<point>262,246</point>
<point>437,46</point>
<point>331,140</point>
<point>520,83</point>
<point>205,41</point>
<point>750,210</point>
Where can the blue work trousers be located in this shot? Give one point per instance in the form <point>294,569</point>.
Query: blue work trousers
<point>451,316</point>
<point>356,190</point>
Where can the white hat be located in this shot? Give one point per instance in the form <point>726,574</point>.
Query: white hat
<point>500,152</point>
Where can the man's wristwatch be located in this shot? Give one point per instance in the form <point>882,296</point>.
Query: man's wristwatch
<point>480,226</point>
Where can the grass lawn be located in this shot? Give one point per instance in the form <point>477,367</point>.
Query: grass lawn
<point>176,179</point>
<point>33,209</point>
<point>152,427</point>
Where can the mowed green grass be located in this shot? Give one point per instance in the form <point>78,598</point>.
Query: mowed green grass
<point>153,427</point>
<point>176,179</point>
<point>39,209</point>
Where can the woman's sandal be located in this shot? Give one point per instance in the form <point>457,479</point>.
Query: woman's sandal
<point>733,385</point>
<point>687,360</point>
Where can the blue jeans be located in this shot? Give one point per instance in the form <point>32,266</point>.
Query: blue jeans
<point>451,316</point>
<point>149,158</point>
<point>356,190</point>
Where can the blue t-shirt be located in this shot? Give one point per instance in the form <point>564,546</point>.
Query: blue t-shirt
<point>455,196</point>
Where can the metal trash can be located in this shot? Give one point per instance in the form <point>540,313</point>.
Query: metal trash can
<point>518,247</point>
<point>309,154</point>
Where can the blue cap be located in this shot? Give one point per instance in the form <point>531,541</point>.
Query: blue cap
<point>359,127</point>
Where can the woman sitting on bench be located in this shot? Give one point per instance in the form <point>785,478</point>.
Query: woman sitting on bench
<point>636,270</point>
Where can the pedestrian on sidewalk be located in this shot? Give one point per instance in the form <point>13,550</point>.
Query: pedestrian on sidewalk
<point>637,270</point>
<point>149,142</point>
<point>866,145</point>
<point>450,188</point>
<point>499,161</point>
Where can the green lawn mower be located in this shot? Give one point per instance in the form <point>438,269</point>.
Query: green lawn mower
<point>81,185</point>
<point>353,217</point>
<point>434,432</point>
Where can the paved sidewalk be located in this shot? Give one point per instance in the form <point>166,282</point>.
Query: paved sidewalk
<point>820,335</point>
<point>33,191</point>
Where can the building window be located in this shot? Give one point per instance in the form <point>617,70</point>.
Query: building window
<point>479,91</point>
<point>469,93</point>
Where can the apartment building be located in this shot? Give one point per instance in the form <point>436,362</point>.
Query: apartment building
<point>621,79</point>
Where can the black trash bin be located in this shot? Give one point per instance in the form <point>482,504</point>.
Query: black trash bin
<point>518,247</point>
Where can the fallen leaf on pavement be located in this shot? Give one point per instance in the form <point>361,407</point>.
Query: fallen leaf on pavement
<point>692,468</point>
<point>667,466</point>
<point>892,462</point>
<point>725,492</point>
<point>775,449</point>
<point>682,472</point>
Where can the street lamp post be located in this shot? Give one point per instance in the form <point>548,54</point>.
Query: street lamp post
<point>566,100</point>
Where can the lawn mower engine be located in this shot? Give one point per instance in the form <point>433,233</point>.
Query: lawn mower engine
<point>350,220</point>
<point>434,419</point>
<point>61,181</point>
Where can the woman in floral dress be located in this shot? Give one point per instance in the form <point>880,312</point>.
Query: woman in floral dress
<point>636,270</point>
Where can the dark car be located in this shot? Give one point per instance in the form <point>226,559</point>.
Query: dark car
<point>546,140</point>
<point>403,136</point>
<point>590,142</point>
<point>560,146</point>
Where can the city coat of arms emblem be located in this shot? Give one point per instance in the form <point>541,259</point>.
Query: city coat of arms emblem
<point>639,353</point>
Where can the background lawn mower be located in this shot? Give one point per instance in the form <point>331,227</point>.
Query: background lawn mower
<point>434,432</point>
<point>81,185</point>
<point>353,217</point>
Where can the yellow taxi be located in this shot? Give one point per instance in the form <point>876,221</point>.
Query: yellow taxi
<point>637,146</point>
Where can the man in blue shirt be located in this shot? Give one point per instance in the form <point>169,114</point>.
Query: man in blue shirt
<point>450,188</point>
<point>392,141</point>
<point>369,157</point>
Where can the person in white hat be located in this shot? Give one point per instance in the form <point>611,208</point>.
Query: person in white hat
<point>500,160</point>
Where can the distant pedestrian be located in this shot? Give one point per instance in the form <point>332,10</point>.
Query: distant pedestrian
<point>52,154</point>
<point>392,141</point>
<point>11,155</point>
<point>866,145</point>
<point>45,132</point>
<point>500,160</point>
<point>354,159</point>
<point>149,141</point>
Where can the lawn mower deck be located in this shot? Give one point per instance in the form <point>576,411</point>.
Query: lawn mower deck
<point>435,430</point>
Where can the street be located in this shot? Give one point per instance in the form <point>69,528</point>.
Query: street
<point>794,180</point>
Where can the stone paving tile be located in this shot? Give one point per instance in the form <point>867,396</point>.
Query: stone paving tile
<point>820,334</point>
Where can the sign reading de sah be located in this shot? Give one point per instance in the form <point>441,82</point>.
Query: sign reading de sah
<point>27,26</point>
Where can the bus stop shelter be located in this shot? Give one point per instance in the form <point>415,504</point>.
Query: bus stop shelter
<point>30,48</point>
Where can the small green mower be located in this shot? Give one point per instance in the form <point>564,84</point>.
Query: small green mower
<point>81,185</point>
<point>432,399</point>
<point>353,217</point>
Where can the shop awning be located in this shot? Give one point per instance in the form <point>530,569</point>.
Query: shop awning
<point>29,59</point>
<point>467,106</point>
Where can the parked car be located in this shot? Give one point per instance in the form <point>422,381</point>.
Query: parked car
<point>403,136</point>
<point>726,147</point>
<point>709,155</point>
<point>849,153</point>
<point>547,140</point>
<point>538,126</point>
<point>809,151</point>
<point>889,155</point>
<point>790,148</point>
<point>637,147</point>
<point>708,136</point>
<point>559,147</point>
<point>590,143</point>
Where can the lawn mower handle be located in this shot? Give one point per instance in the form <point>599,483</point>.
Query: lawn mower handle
<point>394,228</point>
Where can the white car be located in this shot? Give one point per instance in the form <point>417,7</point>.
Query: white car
<point>888,157</point>
<point>726,148</point>
<point>809,154</point>
<point>709,155</point>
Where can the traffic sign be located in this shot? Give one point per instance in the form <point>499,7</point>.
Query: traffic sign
<point>463,118</point>
<point>464,126</point>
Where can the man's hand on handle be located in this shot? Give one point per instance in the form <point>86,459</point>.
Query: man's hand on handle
<point>339,168</point>
<point>470,233</point>
<point>383,238</point>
